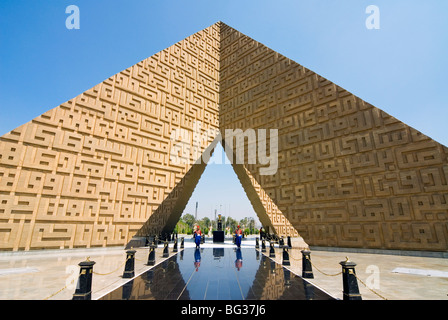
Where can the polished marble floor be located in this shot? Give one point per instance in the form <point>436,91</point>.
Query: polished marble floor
<point>52,274</point>
<point>217,273</point>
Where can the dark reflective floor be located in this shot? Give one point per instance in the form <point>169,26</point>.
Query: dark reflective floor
<point>218,274</point>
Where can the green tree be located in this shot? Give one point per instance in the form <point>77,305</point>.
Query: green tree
<point>251,226</point>
<point>232,223</point>
<point>182,228</point>
<point>248,225</point>
<point>206,222</point>
<point>188,219</point>
<point>244,223</point>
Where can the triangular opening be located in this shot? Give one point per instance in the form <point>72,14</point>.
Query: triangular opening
<point>219,191</point>
<point>222,187</point>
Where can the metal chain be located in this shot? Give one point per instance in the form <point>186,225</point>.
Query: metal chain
<point>105,274</point>
<point>324,273</point>
<point>369,288</point>
<point>65,287</point>
<point>291,257</point>
<point>97,273</point>
<point>337,274</point>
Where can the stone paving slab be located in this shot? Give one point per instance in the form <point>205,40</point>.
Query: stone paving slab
<point>52,274</point>
<point>377,281</point>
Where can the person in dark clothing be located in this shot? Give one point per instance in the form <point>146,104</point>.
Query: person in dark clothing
<point>262,233</point>
<point>238,236</point>
<point>198,236</point>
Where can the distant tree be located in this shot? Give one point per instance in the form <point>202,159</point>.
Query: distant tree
<point>183,228</point>
<point>243,223</point>
<point>247,223</point>
<point>232,224</point>
<point>206,222</point>
<point>251,225</point>
<point>188,219</point>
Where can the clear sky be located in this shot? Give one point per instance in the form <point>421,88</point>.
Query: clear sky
<point>399,68</point>
<point>219,189</point>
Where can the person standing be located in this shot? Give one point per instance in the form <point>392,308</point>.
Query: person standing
<point>239,259</point>
<point>198,236</point>
<point>262,233</point>
<point>197,259</point>
<point>194,231</point>
<point>238,236</point>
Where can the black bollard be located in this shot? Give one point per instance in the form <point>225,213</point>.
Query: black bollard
<point>281,242</point>
<point>151,255</point>
<point>286,257</point>
<point>127,290</point>
<point>182,242</point>
<point>263,245</point>
<point>287,277</point>
<point>165,250</point>
<point>309,290</point>
<point>271,250</point>
<point>84,287</point>
<point>307,268</point>
<point>257,243</point>
<point>129,266</point>
<point>349,281</point>
<point>272,265</point>
<point>289,242</point>
<point>203,239</point>
<point>175,245</point>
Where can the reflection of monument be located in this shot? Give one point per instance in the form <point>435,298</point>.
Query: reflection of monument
<point>218,236</point>
<point>197,259</point>
<point>218,253</point>
<point>239,259</point>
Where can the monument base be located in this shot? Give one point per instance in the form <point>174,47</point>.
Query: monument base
<point>218,236</point>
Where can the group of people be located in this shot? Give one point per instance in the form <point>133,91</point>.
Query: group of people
<point>197,235</point>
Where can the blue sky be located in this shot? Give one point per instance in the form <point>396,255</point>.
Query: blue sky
<point>399,68</point>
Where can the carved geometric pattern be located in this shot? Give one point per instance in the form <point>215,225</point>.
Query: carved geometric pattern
<point>349,174</point>
<point>92,171</point>
<point>96,170</point>
<point>270,216</point>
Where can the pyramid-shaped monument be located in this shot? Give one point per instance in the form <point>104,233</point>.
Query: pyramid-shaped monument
<point>100,168</point>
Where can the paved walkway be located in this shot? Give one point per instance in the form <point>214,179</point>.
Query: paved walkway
<point>52,274</point>
<point>218,274</point>
<point>376,277</point>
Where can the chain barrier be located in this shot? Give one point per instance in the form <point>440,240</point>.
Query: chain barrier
<point>369,288</point>
<point>105,274</point>
<point>324,273</point>
<point>65,287</point>
<point>337,274</point>
<point>291,257</point>
<point>94,272</point>
<point>97,273</point>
